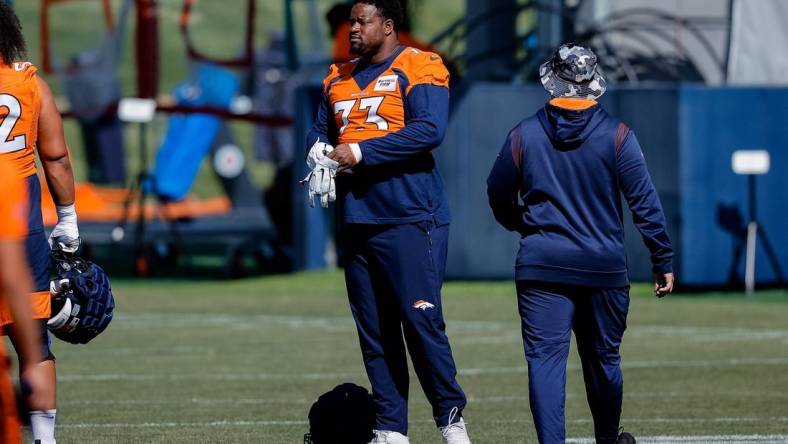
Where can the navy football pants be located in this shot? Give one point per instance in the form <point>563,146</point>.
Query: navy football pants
<point>549,314</point>
<point>394,275</point>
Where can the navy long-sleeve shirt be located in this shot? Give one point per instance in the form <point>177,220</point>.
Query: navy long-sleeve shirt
<point>558,180</point>
<point>397,111</point>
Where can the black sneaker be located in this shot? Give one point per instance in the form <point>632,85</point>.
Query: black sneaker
<point>625,438</point>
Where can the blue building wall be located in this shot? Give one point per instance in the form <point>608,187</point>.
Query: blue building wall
<point>715,122</point>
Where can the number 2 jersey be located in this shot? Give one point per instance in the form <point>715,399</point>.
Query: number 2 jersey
<point>20,104</point>
<point>396,111</point>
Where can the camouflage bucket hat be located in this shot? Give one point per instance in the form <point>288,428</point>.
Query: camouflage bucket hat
<point>573,72</point>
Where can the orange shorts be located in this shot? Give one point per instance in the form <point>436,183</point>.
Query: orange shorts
<point>42,305</point>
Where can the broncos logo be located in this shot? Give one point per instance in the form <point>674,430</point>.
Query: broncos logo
<point>423,305</point>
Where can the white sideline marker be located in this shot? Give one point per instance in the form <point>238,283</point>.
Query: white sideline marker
<point>710,439</point>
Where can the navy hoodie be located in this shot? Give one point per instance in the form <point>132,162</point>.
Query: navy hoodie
<point>558,182</point>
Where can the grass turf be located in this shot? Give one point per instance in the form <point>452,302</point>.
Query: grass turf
<point>242,361</point>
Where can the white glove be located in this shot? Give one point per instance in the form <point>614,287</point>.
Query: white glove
<point>65,235</point>
<point>318,156</point>
<point>321,177</point>
<point>322,184</point>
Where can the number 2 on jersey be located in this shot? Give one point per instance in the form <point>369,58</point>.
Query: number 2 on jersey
<point>14,108</point>
<point>368,103</point>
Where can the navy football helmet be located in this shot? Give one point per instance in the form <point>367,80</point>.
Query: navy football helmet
<point>344,415</point>
<point>82,301</point>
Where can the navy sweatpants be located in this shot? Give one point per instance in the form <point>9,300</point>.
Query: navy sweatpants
<point>549,314</point>
<point>394,275</point>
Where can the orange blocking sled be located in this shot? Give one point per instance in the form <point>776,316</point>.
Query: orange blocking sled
<point>96,204</point>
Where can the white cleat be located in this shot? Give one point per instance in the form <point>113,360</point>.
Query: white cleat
<point>389,437</point>
<point>455,433</point>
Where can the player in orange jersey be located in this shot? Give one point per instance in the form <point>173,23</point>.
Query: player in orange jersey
<point>15,285</point>
<point>385,111</point>
<point>30,121</point>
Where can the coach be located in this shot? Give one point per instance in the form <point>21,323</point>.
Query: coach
<point>557,182</point>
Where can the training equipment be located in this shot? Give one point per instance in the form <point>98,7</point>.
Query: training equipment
<point>346,415</point>
<point>82,300</point>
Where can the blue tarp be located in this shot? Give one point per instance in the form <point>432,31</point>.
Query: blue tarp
<point>189,137</point>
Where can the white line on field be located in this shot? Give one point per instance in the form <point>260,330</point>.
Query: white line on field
<point>180,424</point>
<point>463,371</point>
<point>728,439</point>
<point>145,320</point>
<point>303,422</point>
<point>472,399</point>
<point>721,420</point>
<point>640,364</point>
<point>207,401</point>
<point>637,395</point>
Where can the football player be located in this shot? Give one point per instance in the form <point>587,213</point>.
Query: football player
<point>28,119</point>
<point>385,112</point>
<point>15,285</point>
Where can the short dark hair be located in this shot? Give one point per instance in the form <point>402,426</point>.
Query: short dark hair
<point>389,9</point>
<point>12,43</point>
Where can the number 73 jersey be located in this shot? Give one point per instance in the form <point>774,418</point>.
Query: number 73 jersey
<point>370,101</point>
<point>20,105</point>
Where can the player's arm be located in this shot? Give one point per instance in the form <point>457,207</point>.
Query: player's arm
<point>503,183</point>
<point>55,160</point>
<point>635,183</point>
<point>320,129</point>
<point>52,149</point>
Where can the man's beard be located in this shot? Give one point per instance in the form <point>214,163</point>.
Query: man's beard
<point>358,48</point>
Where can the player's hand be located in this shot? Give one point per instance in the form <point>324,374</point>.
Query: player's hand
<point>663,284</point>
<point>344,156</point>
<point>317,156</point>
<point>65,235</point>
<point>33,386</point>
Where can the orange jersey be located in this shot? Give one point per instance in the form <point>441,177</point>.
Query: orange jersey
<point>378,108</point>
<point>13,204</point>
<point>20,105</point>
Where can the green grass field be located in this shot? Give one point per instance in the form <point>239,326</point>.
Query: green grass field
<point>242,361</point>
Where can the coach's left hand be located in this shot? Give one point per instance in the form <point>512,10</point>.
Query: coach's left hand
<point>663,284</point>
<point>343,155</point>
